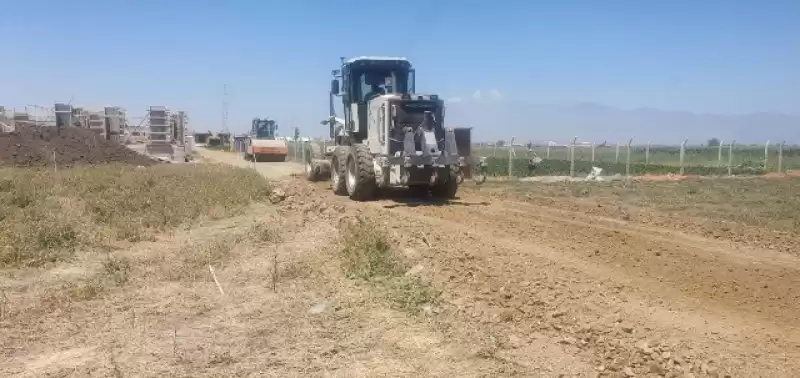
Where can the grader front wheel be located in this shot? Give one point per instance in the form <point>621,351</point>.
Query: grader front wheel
<point>447,188</point>
<point>338,174</point>
<point>360,180</point>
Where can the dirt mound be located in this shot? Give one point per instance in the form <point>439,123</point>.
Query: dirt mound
<point>31,146</point>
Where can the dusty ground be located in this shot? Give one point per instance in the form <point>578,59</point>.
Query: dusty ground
<point>547,281</point>
<point>270,170</point>
<point>710,269</point>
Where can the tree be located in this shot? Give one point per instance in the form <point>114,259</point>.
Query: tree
<point>500,143</point>
<point>713,142</point>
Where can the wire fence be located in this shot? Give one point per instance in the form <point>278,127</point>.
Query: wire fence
<point>628,159</point>
<point>574,158</point>
<point>298,149</point>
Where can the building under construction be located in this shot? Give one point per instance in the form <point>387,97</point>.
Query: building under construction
<point>159,132</point>
<point>179,121</point>
<point>108,123</point>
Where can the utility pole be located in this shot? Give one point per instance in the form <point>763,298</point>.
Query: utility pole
<point>225,109</point>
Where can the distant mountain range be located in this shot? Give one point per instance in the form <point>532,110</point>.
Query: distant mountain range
<point>495,120</point>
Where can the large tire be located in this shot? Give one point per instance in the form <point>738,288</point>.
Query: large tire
<point>447,188</point>
<point>360,180</point>
<point>313,152</point>
<point>338,173</point>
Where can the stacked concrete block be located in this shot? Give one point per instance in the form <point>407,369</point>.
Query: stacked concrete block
<point>6,124</point>
<point>179,124</point>
<point>115,119</point>
<point>64,116</point>
<point>96,121</point>
<point>160,127</point>
<point>80,117</point>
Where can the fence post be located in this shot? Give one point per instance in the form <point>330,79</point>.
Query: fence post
<point>780,157</point>
<point>511,159</point>
<point>303,151</point>
<point>730,158</point>
<point>766,156</point>
<point>572,157</point>
<point>647,154</point>
<point>593,147</point>
<point>628,159</point>
<point>547,154</point>
<point>616,159</point>
<point>683,154</point>
<point>719,152</point>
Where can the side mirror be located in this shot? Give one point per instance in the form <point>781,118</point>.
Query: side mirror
<point>335,86</point>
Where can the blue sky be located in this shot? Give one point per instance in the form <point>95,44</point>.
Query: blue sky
<point>726,57</point>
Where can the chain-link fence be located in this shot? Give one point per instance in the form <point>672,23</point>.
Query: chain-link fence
<point>300,149</point>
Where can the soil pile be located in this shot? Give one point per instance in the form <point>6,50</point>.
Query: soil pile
<point>31,146</point>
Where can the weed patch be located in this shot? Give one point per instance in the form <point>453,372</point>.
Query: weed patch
<point>411,294</point>
<point>368,255</point>
<point>193,260</point>
<point>118,269</point>
<point>265,233</point>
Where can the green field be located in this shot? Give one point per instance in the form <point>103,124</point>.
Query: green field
<point>698,160</point>
<point>662,160</point>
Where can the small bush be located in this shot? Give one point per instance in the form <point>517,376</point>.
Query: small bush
<point>265,233</point>
<point>410,294</point>
<point>367,254</point>
<point>48,215</point>
<point>117,269</point>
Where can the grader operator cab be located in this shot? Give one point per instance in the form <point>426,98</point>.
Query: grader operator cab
<point>388,135</point>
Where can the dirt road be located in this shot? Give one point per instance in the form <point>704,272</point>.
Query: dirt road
<point>272,171</point>
<point>568,292</point>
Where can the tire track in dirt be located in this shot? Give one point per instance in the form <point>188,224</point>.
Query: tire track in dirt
<point>761,282</point>
<point>771,313</point>
<point>598,289</point>
<point>531,273</point>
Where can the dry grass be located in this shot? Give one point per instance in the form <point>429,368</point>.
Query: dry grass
<point>769,203</point>
<point>154,310</point>
<point>265,233</point>
<point>48,215</point>
<point>151,308</point>
<point>367,254</point>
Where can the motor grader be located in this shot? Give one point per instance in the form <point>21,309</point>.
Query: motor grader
<point>388,135</point>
